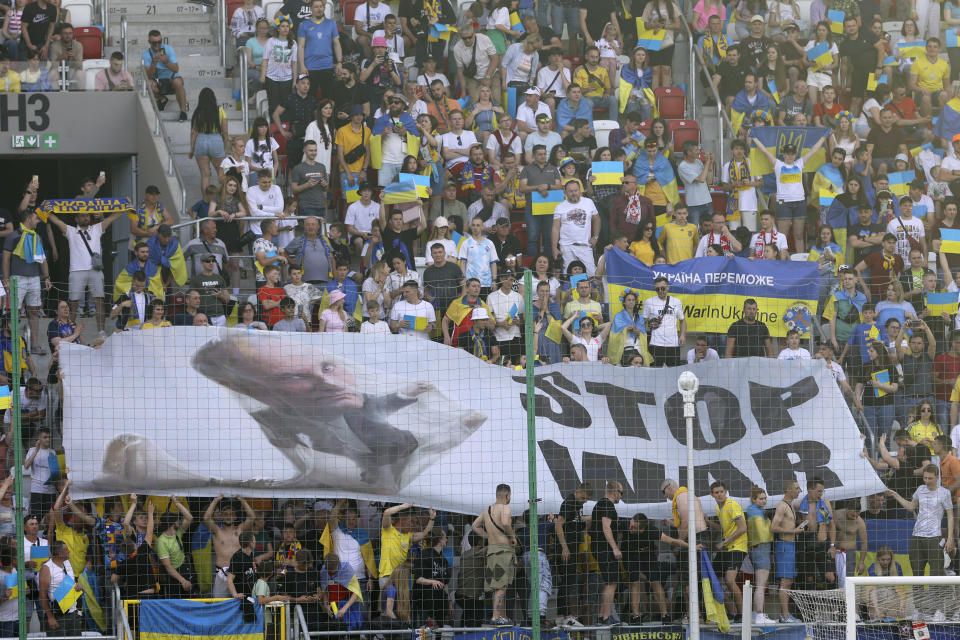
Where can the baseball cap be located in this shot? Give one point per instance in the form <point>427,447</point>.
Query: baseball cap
<point>208,257</point>
<point>364,186</point>
<point>508,274</point>
<point>902,156</point>
<point>956,137</point>
<point>503,222</point>
<point>532,91</point>
<point>789,148</point>
<point>757,18</point>
<point>479,313</point>
<point>302,76</point>
<point>356,110</point>
<point>790,25</point>
<point>441,222</point>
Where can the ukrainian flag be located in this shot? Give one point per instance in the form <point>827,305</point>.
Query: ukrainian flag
<point>417,323</point>
<point>948,122</point>
<point>900,182</point>
<point>712,594</point>
<point>352,194</point>
<point>916,151</point>
<point>400,192</point>
<point>544,205</point>
<point>201,548</point>
<point>774,138</point>
<point>889,61</point>
<point>169,257</point>
<point>96,620</point>
<point>772,87</point>
<point>6,399</point>
<point>836,18</point>
<point>124,281</point>
<point>422,183</point>
<point>192,620</point>
<point>938,303</point>
<point>662,170</point>
<point>649,39</point>
<point>913,49</point>
<point>820,55</point>
<point>440,32</point>
<point>515,23</point>
<point>618,336</point>
<point>10,581</point>
<point>950,241</point>
<point>607,172</point>
<point>826,197</point>
<point>457,238</point>
<point>873,80</point>
<point>554,332</point>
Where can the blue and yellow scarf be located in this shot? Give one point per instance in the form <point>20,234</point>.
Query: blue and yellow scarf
<point>29,247</point>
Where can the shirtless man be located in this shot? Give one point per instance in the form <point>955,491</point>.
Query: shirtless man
<point>226,539</point>
<point>784,526</point>
<point>678,497</point>
<point>494,524</point>
<point>850,526</point>
<point>818,549</point>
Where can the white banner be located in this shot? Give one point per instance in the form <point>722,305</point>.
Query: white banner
<point>202,411</point>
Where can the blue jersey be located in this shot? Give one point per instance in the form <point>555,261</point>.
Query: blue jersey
<point>318,40</point>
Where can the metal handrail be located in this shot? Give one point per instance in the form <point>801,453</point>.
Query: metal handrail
<point>244,89</point>
<point>121,613</point>
<point>123,39</point>
<point>722,117</point>
<point>105,20</point>
<point>692,70</point>
<point>222,31</point>
<point>160,131</point>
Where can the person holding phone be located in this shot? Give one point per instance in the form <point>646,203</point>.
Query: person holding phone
<point>161,67</point>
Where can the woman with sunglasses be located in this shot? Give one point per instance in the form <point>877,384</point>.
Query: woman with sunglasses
<point>585,335</point>
<point>645,247</point>
<point>924,428</point>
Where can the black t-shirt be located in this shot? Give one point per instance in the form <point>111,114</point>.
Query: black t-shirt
<point>580,151</point>
<point>598,15</point>
<point>506,247</point>
<point>444,282</point>
<point>864,231</point>
<point>36,21</point>
<point>573,527</point>
<point>886,144</point>
<point>869,393</point>
<point>206,285</point>
<point>861,51</point>
<point>750,338</point>
<point>603,509</point>
<point>296,584</point>
<point>903,481</point>
<point>244,572</point>
<point>640,547</point>
<point>755,49</point>
<point>135,573</point>
<point>731,77</point>
<point>391,238</point>
<point>344,96</point>
<point>298,12</point>
<point>432,566</point>
<point>299,112</point>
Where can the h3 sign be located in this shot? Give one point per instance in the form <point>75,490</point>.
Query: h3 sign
<point>47,141</point>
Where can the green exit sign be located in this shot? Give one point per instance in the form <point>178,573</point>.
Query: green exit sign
<point>48,141</point>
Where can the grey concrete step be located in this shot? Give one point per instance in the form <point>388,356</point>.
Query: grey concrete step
<point>134,10</point>
<point>173,32</point>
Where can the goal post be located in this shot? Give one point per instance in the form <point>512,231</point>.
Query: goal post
<point>851,584</point>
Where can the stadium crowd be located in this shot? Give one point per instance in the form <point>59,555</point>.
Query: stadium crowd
<point>500,109</point>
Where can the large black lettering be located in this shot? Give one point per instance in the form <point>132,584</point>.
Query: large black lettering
<point>777,468</point>
<point>36,105</point>
<point>770,405</point>
<point>623,406</point>
<point>571,414</point>
<point>41,104</point>
<point>598,469</point>
<point>723,409</point>
<point>738,485</point>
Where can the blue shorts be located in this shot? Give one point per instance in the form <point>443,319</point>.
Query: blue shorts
<point>785,554</point>
<point>760,556</point>
<point>209,144</point>
<point>791,210</point>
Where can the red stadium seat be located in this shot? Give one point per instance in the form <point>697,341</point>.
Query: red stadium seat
<point>519,230</point>
<point>683,130</point>
<point>91,39</point>
<point>232,5</point>
<point>347,9</point>
<point>575,61</point>
<point>644,127</point>
<point>281,148</point>
<point>671,102</point>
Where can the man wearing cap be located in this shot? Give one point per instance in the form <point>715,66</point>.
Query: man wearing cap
<point>318,48</point>
<point>754,46</point>
<point>360,216</point>
<point>506,307</point>
<point>353,148</point>
<point>528,112</point>
<point>214,295</point>
<point>576,227</point>
<point>504,241</point>
<point>297,109</point>
<point>455,144</point>
<point>478,63</point>
<point>541,177</point>
<point>543,136</point>
<point>380,72</point>
<point>394,128</point>
<point>573,107</point>
<point>150,214</point>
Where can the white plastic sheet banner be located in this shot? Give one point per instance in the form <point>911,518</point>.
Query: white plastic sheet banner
<point>203,411</point>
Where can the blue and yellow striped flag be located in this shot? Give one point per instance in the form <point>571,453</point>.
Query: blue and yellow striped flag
<point>192,620</point>
<point>950,241</point>
<point>515,23</point>
<point>422,183</point>
<point>544,205</point>
<point>400,192</point>
<point>10,582</point>
<point>873,80</point>
<point>649,39</point>
<point>417,323</point>
<point>6,399</point>
<point>607,172</point>
<point>900,182</point>
<point>836,18</point>
<point>938,303</point>
<point>712,594</point>
<point>883,377</point>
<point>820,55</point>
<point>826,197</point>
<point>772,87</point>
<point>916,151</point>
<point>912,49</point>
<point>440,32</point>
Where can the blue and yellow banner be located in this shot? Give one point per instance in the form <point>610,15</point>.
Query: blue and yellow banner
<point>400,192</point>
<point>882,377</point>
<point>774,139</point>
<point>949,240</point>
<point>191,620</point>
<point>422,183</point>
<point>440,32</point>
<point>102,206</point>
<point>820,55</point>
<point>912,49</point>
<point>713,290</point>
<point>649,39</point>
<point>607,172</point>
<point>544,205</point>
<point>873,81</point>
<point>938,303</point>
<point>900,182</point>
<point>836,18</point>
<point>416,323</point>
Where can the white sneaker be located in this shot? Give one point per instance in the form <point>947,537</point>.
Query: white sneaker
<point>573,622</point>
<point>761,618</point>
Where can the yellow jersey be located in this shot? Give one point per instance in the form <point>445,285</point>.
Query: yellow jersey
<point>729,513</point>
<point>394,547</point>
<point>679,242</point>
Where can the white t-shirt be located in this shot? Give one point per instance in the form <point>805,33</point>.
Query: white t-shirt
<point>789,180</point>
<point>500,304</point>
<point>608,49</point>
<point>948,164</point>
<point>448,246</point>
<point>748,196</point>
<point>241,166</point>
<point>762,238</point>
<point>837,372</point>
<point>711,355</point>
<point>380,327</point>
<point>932,505</point>
<point>449,140</point>
<point>262,204</point>
<point>500,17</point>
<point>478,255</point>
<point>913,226</point>
<point>394,42</point>
<point>375,17</point>
<point>40,471</point>
<point>515,145</point>
<point>528,116</point>
<point>361,216</point>
<point>546,82</point>
<point>395,280</point>
<point>923,206</point>
<point>790,354</point>
<point>28,404</point>
<point>80,259</point>
<point>575,220</point>
<point>592,346</point>
<point>670,312</point>
<point>261,156</point>
<point>348,549</point>
<point>422,309</point>
<point>425,81</point>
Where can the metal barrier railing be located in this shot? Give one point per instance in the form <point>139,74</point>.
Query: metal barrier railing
<point>222,31</point>
<point>244,87</point>
<point>276,629</point>
<point>105,21</point>
<point>123,40</point>
<point>160,131</point>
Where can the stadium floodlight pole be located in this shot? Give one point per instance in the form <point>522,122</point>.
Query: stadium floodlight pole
<point>17,455</point>
<point>532,456</point>
<point>688,384</point>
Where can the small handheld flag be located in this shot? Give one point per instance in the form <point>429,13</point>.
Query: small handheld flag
<point>900,182</point>
<point>649,39</point>
<point>916,151</point>
<point>6,399</point>
<point>826,197</point>
<point>554,332</point>
<point>422,182</point>
<point>65,595</point>
<point>939,303</point>
<point>873,81</point>
<point>353,192</point>
<point>950,241</point>
<point>512,314</point>
<point>544,205</point>
<point>417,323</point>
<point>39,555</point>
<point>515,23</point>
<point>400,192</point>
<point>457,238</point>
<point>820,55</point>
<point>10,582</point>
<point>912,49</point>
<point>440,32</point>
<point>772,86</point>
<point>607,172</point>
<point>882,377</point>
<point>889,61</point>
<point>836,19</point>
